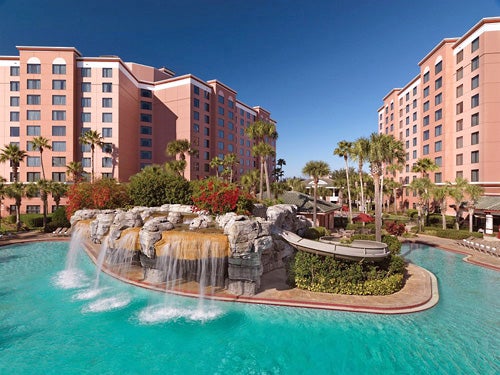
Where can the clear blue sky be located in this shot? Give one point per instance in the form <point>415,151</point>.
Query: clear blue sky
<point>320,67</point>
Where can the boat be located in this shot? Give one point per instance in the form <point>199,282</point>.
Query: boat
<point>355,251</point>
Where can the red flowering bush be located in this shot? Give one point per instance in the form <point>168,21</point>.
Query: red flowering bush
<point>395,228</point>
<point>219,197</point>
<point>101,194</point>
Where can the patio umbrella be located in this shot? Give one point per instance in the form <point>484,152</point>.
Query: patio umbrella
<point>363,218</point>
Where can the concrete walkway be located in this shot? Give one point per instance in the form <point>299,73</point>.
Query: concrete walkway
<point>419,293</point>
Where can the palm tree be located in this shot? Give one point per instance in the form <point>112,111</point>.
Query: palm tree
<point>316,169</point>
<point>17,191</point>
<point>58,190</point>
<point>344,150</point>
<point>457,190</point>
<point>44,187</point>
<point>14,155</point>
<point>424,166</point>
<point>421,186</point>
<point>261,132</point>
<point>40,143</point>
<point>296,184</point>
<point>215,163</point>
<point>440,193</point>
<point>92,138</point>
<point>178,149</point>
<point>250,181</point>
<point>278,171</point>
<point>384,149</point>
<point>2,195</point>
<point>473,192</point>
<point>393,186</point>
<point>229,161</point>
<point>360,150</point>
<point>74,170</point>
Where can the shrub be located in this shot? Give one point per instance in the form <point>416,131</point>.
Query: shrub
<point>219,197</point>
<point>32,220</point>
<point>395,228</point>
<point>315,233</point>
<point>155,186</point>
<point>456,234</point>
<point>59,218</point>
<point>412,214</point>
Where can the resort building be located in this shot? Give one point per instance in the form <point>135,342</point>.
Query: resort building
<point>57,93</point>
<point>450,112</point>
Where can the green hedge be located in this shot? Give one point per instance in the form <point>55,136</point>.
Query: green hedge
<point>315,233</point>
<point>456,234</point>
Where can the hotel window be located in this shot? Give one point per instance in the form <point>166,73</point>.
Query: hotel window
<point>426,77</point>
<point>220,110</point>
<point>459,142</point>
<point>206,119</point>
<point>206,143</point>
<point>86,162</point>
<point>59,131</point>
<point>230,148</point>
<point>414,103</point>
<point>33,99</point>
<point>474,138</point>
<point>32,209</point>
<point>86,117</point>
<point>459,125</point>
<point>146,117</point>
<point>474,83</point>
<point>425,150</point>
<point>220,122</point>
<point>58,161</point>
<point>14,71</point>
<point>59,176</point>
<point>474,175</point>
<point>206,106</point>
<point>108,117</point>
<point>230,137</point>
<point>58,115</point>
<point>426,106</point>
<point>230,103</point>
<point>460,74</point>
<point>196,115</point>
<point>107,148</point>
<point>220,145</point>
<point>196,102</point>
<point>414,142</point>
<point>220,99</point>
<point>220,134</point>
<point>438,146</point>
<point>438,177</point>
<point>460,91</point>
<point>474,157</point>
<point>438,68</point>
<point>414,91</point>
<point>438,130</point>
<point>86,147</point>
<point>231,115</point>
<point>58,99</point>
<point>438,83</point>
<point>107,132</point>
<point>459,159</point>
<point>14,101</point>
<point>426,92</point>
<point>14,131</point>
<point>146,142</point>
<point>475,44</point>
<point>474,119</point>
<point>34,84</point>
<point>474,101</point>
<point>86,102</point>
<point>147,130</point>
<point>206,131</point>
<point>58,146</point>
<point>414,154</point>
<point>14,116</point>
<point>86,72</point>
<point>438,115</point>
<point>460,56</point>
<point>33,161</point>
<point>107,162</point>
<point>146,93</point>
<point>58,69</point>
<point>107,102</point>
<point>196,90</point>
<point>460,108</point>
<point>438,161</point>
<point>107,72</point>
<point>426,135</point>
<point>438,99</point>
<point>30,146</point>
<point>206,94</point>
<point>34,69</point>
<point>33,130</point>
<point>86,87</point>
<point>147,155</point>
<point>196,128</point>
<point>107,87</point>
<point>474,64</point>
<point>33,115</point>
<point>14,86</point>
<point>459,174</point>
<point>33,176</point>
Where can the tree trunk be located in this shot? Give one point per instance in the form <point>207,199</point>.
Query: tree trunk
<point>261,182</point>
<point>348,190</point>
<point>268,184</point>
<point>363,203</point>
<point>378,208</point>
<point>41,163</point>
<point>92,171</point>
<point>314,203</point>
<point>471,216</point>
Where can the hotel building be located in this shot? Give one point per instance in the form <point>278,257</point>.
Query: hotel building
<point>57,93</point>
<point>450,112</point>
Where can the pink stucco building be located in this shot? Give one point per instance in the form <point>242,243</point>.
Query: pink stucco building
<point>450,112</point>
<point>57,93</point>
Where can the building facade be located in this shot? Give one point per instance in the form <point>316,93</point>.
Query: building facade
<point>57,93</point>
<point>450,112</point>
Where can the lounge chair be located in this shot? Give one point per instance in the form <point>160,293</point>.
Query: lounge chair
<point>62,231</point>
<point>57,231</point>
<point>67,233</point>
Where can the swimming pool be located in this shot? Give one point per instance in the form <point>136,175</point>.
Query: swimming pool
<point>54,323</point>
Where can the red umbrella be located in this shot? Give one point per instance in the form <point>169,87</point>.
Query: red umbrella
<point>363,218</point>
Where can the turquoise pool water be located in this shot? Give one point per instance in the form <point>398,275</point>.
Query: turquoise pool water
<point>52,322</point>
